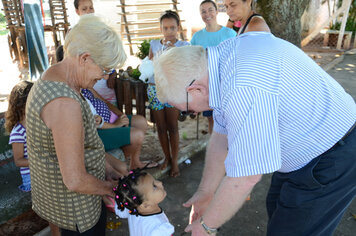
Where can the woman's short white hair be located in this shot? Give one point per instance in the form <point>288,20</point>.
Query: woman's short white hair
<point>175,69</point>
<point>92,35</point>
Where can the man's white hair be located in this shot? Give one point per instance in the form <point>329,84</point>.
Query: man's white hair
<point>92,35</point>
<point>175,69</point>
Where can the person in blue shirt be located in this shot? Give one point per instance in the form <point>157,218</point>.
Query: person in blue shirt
<point>275,111</point>
<point>211,35</point>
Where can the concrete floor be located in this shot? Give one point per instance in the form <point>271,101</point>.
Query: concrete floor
<point>251,220</point>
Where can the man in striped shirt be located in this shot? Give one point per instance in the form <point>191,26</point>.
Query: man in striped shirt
<point>275,110</point>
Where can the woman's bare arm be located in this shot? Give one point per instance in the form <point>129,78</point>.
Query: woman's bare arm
<point>63,116</point>
<point>111,106</point>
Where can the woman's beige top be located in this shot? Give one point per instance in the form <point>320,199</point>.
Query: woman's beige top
<point>51,199</point>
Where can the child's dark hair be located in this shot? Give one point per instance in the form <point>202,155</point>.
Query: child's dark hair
<point>59,53</point>
<point>76,4</point>
<point>126,192</point>
<point>209,1</point>
<point>17,104</point>
<point>170,15</point>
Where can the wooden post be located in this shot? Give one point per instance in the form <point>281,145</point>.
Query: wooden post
<point>180,24</point>
<point>343,23</point>
<point>119,92</point>
<point>123,10</point>
<point>140,98</point>
<point>127,97</point>
<point>326,39</point>
<point>317,29</point>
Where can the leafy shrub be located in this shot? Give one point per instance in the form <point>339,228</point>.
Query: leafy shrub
<point>143,49</point>
<point>136,74</point>
<point>2,18</point>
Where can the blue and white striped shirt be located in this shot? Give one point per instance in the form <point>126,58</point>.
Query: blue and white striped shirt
<point>278,108</point>
<point>18,135</point>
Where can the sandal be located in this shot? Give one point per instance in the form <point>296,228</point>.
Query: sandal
<point>151,164</point>
<point>111,206</point>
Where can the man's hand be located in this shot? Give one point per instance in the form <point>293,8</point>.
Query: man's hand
<point>199,202</point>
<point>196,229</point>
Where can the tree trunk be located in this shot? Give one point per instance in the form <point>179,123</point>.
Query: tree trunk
<point>283,17</point>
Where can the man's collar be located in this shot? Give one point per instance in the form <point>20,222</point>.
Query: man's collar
<point>214,77</point>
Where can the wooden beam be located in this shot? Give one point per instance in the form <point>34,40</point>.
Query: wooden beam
<point>142,12</point>
<point>141,38</point>
<point>147,4</point>
<point>123,10</point>
<point>147,33</point>
<point>145,22</point>
<point>343,23</point>
<point>145,29</point>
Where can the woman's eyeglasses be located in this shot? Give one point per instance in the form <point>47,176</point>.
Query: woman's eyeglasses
<point>187,112</point>
<point>107,72</point>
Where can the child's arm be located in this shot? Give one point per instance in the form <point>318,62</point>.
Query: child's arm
<point>150,54</point>
<point>120,122</point>
<point>18,150</point>
<point>111,106</point>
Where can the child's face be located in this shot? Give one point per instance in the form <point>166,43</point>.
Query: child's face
<point>169,29</point>
<point>152,189</point>
<point>85,7</point>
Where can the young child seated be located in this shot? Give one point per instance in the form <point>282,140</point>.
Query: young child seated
<point>137,198</point>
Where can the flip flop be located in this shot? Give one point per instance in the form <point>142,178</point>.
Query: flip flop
<point>151,164</point>
<point>111,206</point>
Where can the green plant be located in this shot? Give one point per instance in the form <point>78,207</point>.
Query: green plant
<point>135,73</point>
<point>2,18</point>
<point>143,49</point>
<point>3,30</point>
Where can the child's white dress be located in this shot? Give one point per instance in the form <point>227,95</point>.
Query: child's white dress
<point>149,225</point>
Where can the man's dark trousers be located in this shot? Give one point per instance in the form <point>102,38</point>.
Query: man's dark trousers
<point>311,201</point>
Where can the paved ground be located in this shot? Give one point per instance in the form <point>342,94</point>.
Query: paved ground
<point>345,72</point>
<point>251,220</point>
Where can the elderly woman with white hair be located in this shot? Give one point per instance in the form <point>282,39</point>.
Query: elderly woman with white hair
<point>275,111</point>
<point>67,158</point>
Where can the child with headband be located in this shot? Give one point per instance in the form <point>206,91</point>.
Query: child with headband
<point>137,198</point>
